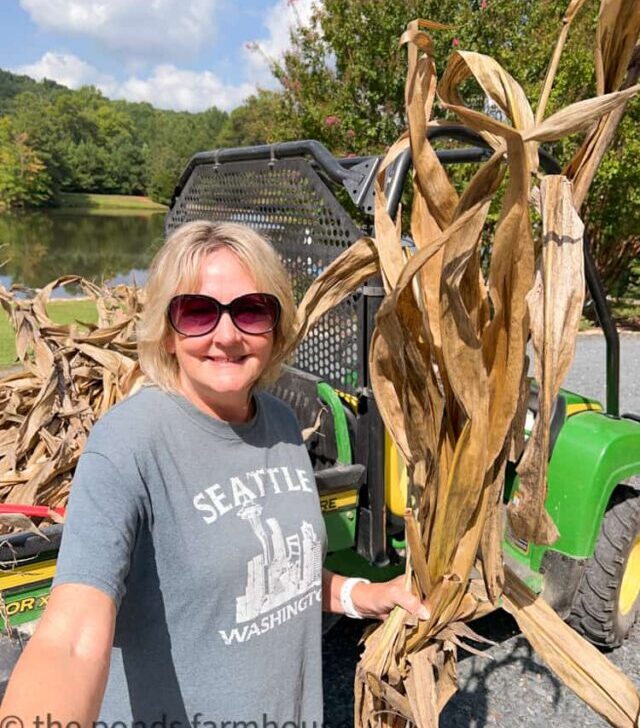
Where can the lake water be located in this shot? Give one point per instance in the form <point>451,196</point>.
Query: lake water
<point>111,246</point>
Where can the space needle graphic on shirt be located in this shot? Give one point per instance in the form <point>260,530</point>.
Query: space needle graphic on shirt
<point>286,568</point>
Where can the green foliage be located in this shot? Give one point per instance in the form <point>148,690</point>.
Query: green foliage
<point>633,286</point>
<point>23,178</point>
<point>11,85</point>
<point>87,143</point>
<point>251,123</point>
<point>343,81</point>
<point>612,211</point>
<point>174,138</point>
<point>91,144</point>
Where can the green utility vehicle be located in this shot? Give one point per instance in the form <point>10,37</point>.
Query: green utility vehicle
<point>312,206</point>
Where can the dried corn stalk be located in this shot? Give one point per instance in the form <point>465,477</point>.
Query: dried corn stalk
<point>71,375</point>
<point>447,365</point>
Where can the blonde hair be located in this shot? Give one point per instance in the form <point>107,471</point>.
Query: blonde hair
<point>176,269</point>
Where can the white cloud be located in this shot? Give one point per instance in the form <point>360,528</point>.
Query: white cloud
<point>279,20</point>
<point>165,32</point>
<point>167,87</point>
<point>69,70</point>
<point>137,29</point>
<point>174,88</point>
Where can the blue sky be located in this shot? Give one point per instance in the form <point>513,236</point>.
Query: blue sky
<point>176,54</point>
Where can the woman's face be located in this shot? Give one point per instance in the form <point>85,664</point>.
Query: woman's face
<point>218,370</point>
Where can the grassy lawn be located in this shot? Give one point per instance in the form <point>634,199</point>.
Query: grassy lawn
<point>107,202</point>
<point>61,312</point>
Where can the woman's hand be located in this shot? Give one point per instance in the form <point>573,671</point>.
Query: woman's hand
<point>376,601</point>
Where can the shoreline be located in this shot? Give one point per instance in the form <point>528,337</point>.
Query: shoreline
<point>99,201</point>
<point>91,202</point>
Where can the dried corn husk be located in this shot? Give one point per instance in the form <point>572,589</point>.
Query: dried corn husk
<point>555,306</point>
<point>579,665</point>
<point>72,374</point>
<point>617,66</point>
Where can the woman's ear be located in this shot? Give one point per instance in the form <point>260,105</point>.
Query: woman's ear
<point>170,343</point>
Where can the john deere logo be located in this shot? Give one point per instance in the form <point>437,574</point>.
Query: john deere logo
<point>27,604</point>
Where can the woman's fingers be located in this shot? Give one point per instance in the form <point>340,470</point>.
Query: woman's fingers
<point>406,599</point>
<point>412,604</point>
<point>378,600</point>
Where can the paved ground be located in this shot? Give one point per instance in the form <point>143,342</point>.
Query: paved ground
<point>510,686</point>
<point>587,374</point>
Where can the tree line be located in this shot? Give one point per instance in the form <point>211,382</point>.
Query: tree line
<point>53,139</point>
<point>342,83</point>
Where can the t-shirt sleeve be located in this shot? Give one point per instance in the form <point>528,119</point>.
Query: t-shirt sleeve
<point>100,529</point>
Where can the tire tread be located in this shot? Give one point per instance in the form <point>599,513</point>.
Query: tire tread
<point>595,610</point>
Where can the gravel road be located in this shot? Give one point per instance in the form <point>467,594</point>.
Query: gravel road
<point>510,686</point>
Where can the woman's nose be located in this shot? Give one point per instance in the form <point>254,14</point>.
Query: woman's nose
<point>226,331</point>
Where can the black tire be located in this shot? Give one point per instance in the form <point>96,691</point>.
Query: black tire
<point>596,612</point>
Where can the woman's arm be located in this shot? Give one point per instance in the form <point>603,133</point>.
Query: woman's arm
<point>374,601</point>
<point>63,670</point>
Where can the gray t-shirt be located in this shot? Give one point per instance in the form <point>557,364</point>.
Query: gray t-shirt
<point>210,539</point>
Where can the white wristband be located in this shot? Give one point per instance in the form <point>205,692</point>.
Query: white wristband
<point>345,597</point>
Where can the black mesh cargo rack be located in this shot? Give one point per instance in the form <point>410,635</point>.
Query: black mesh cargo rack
<point>287,201</point>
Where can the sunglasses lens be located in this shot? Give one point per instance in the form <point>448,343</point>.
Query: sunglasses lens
<point>193,315</point>
<point>256,313</point>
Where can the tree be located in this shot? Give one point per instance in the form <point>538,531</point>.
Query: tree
<point>23,177</point>
<point>12,85</point>
<point>344,77</point>
<point>612,212</point>
<point>251,123</point>
<point>91,144</point>
<point>175,138</point>
<point>343,84</point>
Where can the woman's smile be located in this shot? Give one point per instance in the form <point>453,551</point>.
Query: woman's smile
<point>227,359</point>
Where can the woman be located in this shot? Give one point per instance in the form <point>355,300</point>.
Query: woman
<point>189,587</point>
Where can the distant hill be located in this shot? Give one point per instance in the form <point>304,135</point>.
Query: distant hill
<point>82,141</point>
<point>12,84</point>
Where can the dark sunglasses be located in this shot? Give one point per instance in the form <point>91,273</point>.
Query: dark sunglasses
<point>196,315</point>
